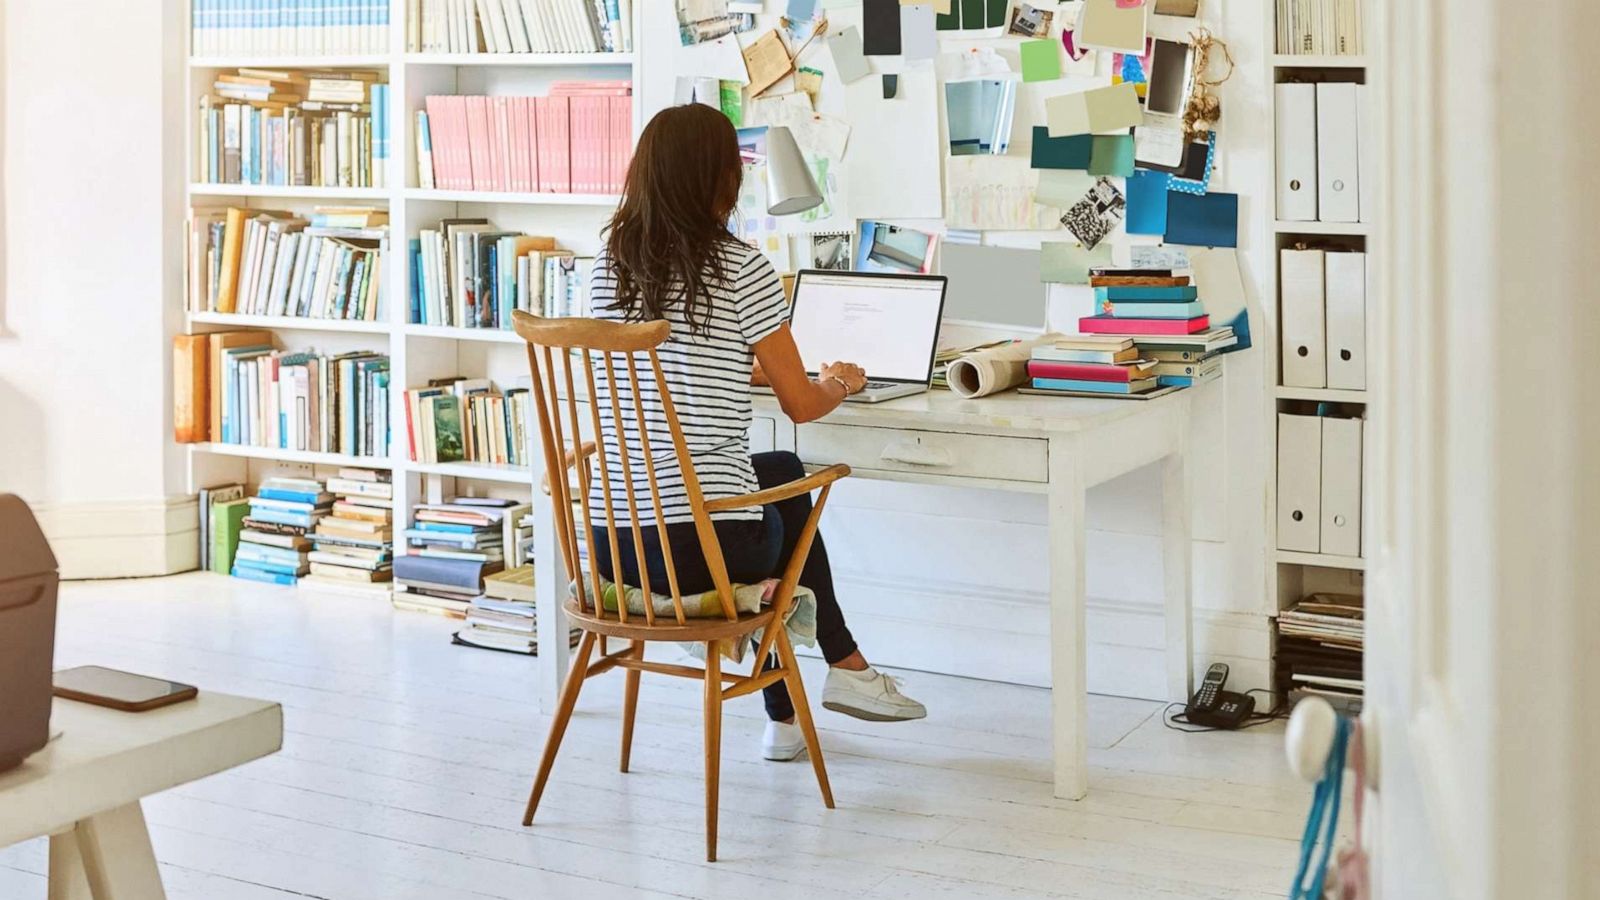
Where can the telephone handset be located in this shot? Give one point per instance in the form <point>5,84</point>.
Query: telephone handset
<point>1214,707</point>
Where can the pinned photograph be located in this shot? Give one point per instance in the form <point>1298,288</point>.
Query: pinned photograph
<point>707,20</point>
<point>1030,21</point>
<point>831,250</point>
<point>1093,217</point>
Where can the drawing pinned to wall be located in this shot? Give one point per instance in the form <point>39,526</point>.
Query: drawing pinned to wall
<point>972,63</point>
<point>974,15</point>
<point>753,225</point>
<point>1104,25</point>
<point>1096,214</point>
<point>1030,21</point>
<point>990,193</point>
<point>808,81</point>
<point>979,115</point>
<point>831,249</point>
<point>833,212</point>
<point>707,20</point>
<point>893,248</point>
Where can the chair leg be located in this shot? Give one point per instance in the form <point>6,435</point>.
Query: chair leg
<point>802,714</point>
<point>713,742</point>
<point>630,702</point>
<point>558,725</point>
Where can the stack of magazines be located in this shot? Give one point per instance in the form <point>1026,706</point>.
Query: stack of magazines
<point>1321,642</point>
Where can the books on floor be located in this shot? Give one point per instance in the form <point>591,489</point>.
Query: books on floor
<point>288,28</point>
<point>577,139</point>
<point>273,546</point>
<point>450,547</point>
<point>504,617</point>
<point>510,26</point>
<point>468,420</point>
<point>353,544</point>
<point>469,274</point>
<point>210,503</point>
<point>275,263</point>
<point>294,127</point>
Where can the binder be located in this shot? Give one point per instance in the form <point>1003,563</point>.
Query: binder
<point>1345,281</point>
<point>1366,145</point>
<point>1341,487</point>
<point>1303,333</point>
<point>1299,483</point>
<point>1337,182</point>
<point>1296,147</point>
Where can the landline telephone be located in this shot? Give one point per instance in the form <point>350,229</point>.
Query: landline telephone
<point>1213,707</point>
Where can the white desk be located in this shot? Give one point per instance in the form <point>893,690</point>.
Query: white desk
<point>1056,446</point>
<point>84,788</point>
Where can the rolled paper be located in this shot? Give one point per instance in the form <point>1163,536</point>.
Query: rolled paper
<point>992,371</point>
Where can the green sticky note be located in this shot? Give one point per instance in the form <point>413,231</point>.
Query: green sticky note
<point>1060,152</point>
<point>1112,154</point>
<point>1064,262</point>
<point>1061,188</point>
<point>1041,61</point>
<point>731,97</point>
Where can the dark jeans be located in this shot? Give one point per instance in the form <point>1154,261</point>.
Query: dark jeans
<point>753,550</point>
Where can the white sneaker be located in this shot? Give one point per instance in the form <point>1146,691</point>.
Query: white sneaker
<point>869,694</point>
<point>782,741</point>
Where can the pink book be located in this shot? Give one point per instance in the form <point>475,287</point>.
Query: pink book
<point>589,142</point>
<point>1109,325</point>
<point>1081,371</point>
<point>558,135</point>
<point>459,154</point>
<point>478,138</point>
<point>519,145</point>
<point>532,116</point>
<point>621,141</point>
<point>500,149</point>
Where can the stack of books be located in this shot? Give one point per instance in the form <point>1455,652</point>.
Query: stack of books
<point>353,545</point>
<point>469,274</point>
<point>468,419</point>
<point>273,546</point>
<point>576,140</point>
<point>450,548</point>
<point>273,263</point>
<point>1321,640</point>
<point>1091,364</point>
<point>294,127</point>
<point>288,27</point>
<point>222,510</point>
<point>1319,27</point>
<point>520,26</point>
<point>1184,360</point>
<point>1144,302</point>
<point>305,400</point>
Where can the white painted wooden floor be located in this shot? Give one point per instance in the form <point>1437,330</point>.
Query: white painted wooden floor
<point>407,761</point>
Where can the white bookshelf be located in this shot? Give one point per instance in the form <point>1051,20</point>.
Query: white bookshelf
<point>416,352</point>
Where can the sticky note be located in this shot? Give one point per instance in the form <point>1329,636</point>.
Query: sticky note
<point>1041,61</point>
<point>1099,110</point>
<point>848,60</point>
<point>891,86</point>
<point>1060,153</point>
<point>1064,262</point>
<point>801,10</point>
<point>880,27</point>
<point>1061,188</point>
<point>1147,202</point>
<point>1104,25</point>
<point>918,39</point>
<point>1111,154</point>
<point>1203,220</point>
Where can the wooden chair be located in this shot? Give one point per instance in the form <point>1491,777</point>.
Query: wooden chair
<point>550,340</point>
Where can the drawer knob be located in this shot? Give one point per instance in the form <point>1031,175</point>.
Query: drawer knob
<point>915,453</point>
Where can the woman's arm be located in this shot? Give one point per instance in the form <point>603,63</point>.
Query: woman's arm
<point>802,399</point>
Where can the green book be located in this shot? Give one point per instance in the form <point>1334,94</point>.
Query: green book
<point>227,520</point>
<point>447,437</point>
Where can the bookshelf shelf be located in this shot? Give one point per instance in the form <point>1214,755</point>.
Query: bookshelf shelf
<point>479,471</point>
<point>1324,560</point>
<point>305,457</point>
<point>1326,395</point>
<point>309,192</point>
<point>292,323</point>
<point>450,333</point>
<point>520,60</point>
<point>1283,227</point>
<point>367,61</point>
<point>508,197</point>
<point>1309,61</point>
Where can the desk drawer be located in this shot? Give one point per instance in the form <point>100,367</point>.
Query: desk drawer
<point>925,452</point>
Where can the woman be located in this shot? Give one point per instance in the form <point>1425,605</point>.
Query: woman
<point>669,255</point>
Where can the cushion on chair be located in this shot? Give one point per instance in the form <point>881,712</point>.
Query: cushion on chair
<point>747,598</point>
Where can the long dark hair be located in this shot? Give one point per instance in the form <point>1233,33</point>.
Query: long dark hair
<point>682,187</point>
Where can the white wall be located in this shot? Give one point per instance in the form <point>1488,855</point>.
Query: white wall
<point>91,252</point>
<point>953,580</point>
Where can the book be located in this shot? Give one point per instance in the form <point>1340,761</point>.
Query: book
<point>218,344</point>
<point>1095,387</point>
<point>206,498</point>
<point>1101,342</point>
<point>227,520</point>
<point>1208,341</point>
<point>505,26</point>
<point>254,574</point>
<point>190,412</point>
<point>1147,293</point>
<point>323,128</point>
<point>1134,371</point>
<point>272,263</point>
<point>510,584</point>
<point>1125,309</point>
<point>1110,325</point>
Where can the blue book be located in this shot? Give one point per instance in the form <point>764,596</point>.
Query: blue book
<point>266,565</point>
<point>1147,293</point>
<point>416,281</point>
<point>253,574</point>
<point>1094,387</point>
<point>448,526</point>
<point>1140,309</point>
<point>263,555</point>
<point>310,500</point>
<point>282,516</point>
<point>466,574</point>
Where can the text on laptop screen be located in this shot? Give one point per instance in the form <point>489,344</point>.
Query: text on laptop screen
<point>887,326</point>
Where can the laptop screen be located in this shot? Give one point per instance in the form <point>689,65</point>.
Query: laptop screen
<point>886,324</point>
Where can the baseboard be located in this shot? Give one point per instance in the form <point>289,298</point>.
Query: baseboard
<point>122,538</point>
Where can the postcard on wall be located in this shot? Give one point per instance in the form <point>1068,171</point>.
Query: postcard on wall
<point>1096,111</point>
<point>1030,21</point>
<point>831,249</point>
<point>1112,25</point>
<point>1157,256</point>
<point>1094,216</point>
<point>978,115</point>
<point>894,248</point>
<point>707,20</point>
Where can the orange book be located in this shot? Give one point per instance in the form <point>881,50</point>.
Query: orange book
<point>232,244</point>
<point>190,424</point>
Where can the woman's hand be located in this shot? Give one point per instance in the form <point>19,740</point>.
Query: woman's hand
<point>852,376</point>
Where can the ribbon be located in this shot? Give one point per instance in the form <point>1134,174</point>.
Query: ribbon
<point>1313,869</point>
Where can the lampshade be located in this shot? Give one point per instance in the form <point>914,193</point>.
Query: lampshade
<point>790,187</point>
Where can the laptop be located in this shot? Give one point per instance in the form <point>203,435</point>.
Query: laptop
<point>886,323</point>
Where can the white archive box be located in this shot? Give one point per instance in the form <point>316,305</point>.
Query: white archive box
<point>1299,483</point>
<point>1345,294</point>
<point>1296,151</point>
<point>1302,332</point>
<point>1341,486</point>
<point>1338,185</point>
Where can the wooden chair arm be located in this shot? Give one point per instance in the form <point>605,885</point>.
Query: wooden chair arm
<point>817,479</point>
<point>585,450</point>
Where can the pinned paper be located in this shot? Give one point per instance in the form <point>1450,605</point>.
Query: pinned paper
<point>978,115</point>
<point>1111,154</point>
<point>1107,25</point>
<point>1147,202</point>
<point>1094,111</point>
<point>1060,188</point>
<point>768,61</point>
<point>720,59</point>
<point>971,63</point>
<point>989,193</point>
<point>973,15</point>
<point>1041,61</point>
<point>1062,262</point>
<point>917,35</point>
<point>848,60</point>
<point>808,81</point>
<point>880,24</point>
<point>1203,220</point>
<point>1186,8</point>
<point>1194,177</point>
<point>1030,21</point>
<point>1158,143</point>
<point>1060,153</point>
<point>779,109</point>
<point>1093,217</point>
<point>800,10</point>
<point>707,20</point>
<point>942,7</point>
<point>891,86</point>
<point>1170,74</point>
<point>1158,256</point>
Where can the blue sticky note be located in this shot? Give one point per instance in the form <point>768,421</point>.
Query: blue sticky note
<point>1147,202</point>
<point>801,10</point>
<point>1203,220</point>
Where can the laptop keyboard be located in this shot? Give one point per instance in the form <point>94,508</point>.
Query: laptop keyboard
<point>878,384</point>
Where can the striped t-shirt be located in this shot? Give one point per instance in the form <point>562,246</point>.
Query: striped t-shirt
<point>708,374</point>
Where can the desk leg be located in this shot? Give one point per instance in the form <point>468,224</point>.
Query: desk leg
<point>105,857</point>
<point>1176,550</point>
<point>1069,720</point>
